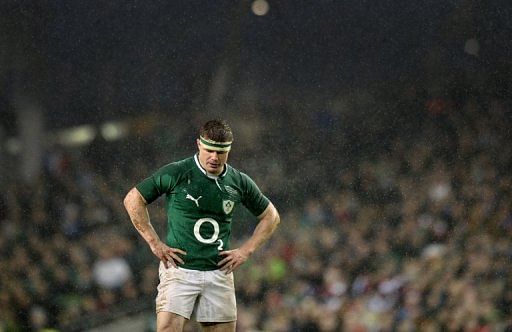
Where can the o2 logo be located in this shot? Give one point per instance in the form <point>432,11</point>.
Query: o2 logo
<point>215,235</point>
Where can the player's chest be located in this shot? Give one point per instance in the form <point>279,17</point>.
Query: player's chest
<point>206,195</point>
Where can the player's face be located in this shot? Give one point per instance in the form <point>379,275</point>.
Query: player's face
<point>212,161</point>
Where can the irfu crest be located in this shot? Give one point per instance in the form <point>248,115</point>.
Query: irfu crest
<point>227,206</point>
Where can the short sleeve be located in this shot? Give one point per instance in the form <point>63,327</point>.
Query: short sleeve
<point>159,183</point>
<point>253,199</point>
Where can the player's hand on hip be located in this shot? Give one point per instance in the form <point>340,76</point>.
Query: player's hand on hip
<point>167,254</point>
<point>232,260</point>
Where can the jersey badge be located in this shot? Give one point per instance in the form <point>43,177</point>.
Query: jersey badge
<point>227,206</point>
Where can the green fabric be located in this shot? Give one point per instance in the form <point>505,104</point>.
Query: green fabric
<point>200,208</point>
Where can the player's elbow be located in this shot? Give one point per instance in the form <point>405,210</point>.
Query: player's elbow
<point>126,200</point>
<point>270,217</point>
<point>276,219</point>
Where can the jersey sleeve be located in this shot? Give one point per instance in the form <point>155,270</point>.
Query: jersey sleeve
<point>159,183</point>
<point>253,199</point>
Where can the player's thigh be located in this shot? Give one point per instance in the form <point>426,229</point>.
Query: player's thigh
<point>217,303</point>
<point>219,327</point>
<point>178,290</point>
<point>169,322</point>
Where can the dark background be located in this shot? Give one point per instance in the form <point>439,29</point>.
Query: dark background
<point>380,129</point>
<point>87,61</point>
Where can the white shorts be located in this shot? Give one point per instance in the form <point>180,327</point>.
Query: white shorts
<point>204,296</point>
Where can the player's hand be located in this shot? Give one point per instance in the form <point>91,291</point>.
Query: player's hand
<point>167,254</point>
<point>232,260</point>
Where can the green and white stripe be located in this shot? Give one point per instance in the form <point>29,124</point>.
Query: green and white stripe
<point>215,146</point>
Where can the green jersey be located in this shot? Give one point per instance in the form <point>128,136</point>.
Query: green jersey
<point>200,207</point>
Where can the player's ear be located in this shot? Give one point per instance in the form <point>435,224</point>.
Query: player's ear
<point>198,142</point>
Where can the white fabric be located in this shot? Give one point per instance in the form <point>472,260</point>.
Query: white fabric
<point>204,296</point>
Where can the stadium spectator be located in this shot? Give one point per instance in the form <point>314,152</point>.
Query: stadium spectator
<point>411,233</point>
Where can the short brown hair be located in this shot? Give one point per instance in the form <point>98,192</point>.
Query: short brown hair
<point>216,130</point>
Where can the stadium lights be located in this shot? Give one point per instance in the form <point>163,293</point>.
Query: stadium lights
<point>260,7</point>
<point>112,131</point>
<point>77,136</point>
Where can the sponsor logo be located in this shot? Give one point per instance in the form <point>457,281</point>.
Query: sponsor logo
<point>195,200</point>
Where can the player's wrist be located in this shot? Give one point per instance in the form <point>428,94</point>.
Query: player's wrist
<point>247,251</point>
<point>153,242</point>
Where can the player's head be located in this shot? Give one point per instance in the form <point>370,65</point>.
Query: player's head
<point>214,144</point>
<point>217,131</point>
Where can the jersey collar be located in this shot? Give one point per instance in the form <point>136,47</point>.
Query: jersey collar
<point>210,175</point>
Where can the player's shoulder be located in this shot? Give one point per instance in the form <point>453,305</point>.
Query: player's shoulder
<point>238,175</point>
<point>233,172</point>
<point>179,166</point>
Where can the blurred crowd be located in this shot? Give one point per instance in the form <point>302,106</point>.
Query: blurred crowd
<point>397,224</point>
<point>414,238</point>
<point>395,197</point>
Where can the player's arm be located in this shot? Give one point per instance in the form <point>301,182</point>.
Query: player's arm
<point>268,222</point>
<point>136,207</point>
